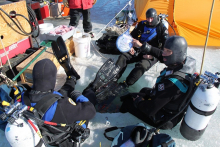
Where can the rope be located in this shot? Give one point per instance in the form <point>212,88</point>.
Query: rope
<point>7,56</point>
<point>114,17</point>
<point>7,80</point>
<point>207,36</point>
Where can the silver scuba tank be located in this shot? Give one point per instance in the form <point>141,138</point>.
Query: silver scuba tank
<point>19,131</point>
<point>163,20</point>
<point>199,112</point>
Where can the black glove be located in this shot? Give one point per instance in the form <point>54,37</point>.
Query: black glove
<point>145,48</point>
<point>68,86</point>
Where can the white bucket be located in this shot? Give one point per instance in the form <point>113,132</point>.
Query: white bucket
<point>82,44</point>
<point>45,28</point>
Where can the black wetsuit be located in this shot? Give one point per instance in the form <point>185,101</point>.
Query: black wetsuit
<point>143,64</point>
<point>66,111</point>
<point>165,98</point>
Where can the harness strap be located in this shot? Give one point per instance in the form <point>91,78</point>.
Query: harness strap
<point>26,99</point>
<point>55,138</point>
<point>109,130</point>
<point>182,86</point>
<point>45,103</point>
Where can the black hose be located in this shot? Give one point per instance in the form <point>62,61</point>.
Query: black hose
<point>35,26</point>
<point>32,17</point>
<point>171,27</point>
<point>15,24</point>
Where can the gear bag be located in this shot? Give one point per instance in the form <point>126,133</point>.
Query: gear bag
<point>139,136</point>
<point>107,44</point>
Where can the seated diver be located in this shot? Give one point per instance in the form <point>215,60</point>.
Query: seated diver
<point>157,105</point>
<point>70,105</point>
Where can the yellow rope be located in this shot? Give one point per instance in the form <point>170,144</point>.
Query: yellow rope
<point>207,36</point>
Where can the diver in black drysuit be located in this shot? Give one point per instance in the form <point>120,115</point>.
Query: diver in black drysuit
<point>157,105</point>
<point>154,33</point>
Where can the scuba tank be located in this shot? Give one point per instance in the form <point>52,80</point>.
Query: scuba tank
<point>163,20</point>
<point>20,131</point>
<point>203,104</point>
<point>23,130</point>
<point>22,134</point>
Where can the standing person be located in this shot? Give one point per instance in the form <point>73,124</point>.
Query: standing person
<point>77,7</point>
<point>152,31</point>
<point>158,105</point>
<point>68,105</point>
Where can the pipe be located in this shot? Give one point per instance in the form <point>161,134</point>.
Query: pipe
<point>207,36</point>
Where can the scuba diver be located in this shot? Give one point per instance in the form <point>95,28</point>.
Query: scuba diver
<point>105,84</point>
<point>152,31</point>
<point>157,105</point>
<point>65,106</point>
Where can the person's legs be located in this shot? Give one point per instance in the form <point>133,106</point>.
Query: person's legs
<point>74,17</point>
<point>139,70</point>
<point>128,106</point>
<point>87,25</point>
<point>122,61</point>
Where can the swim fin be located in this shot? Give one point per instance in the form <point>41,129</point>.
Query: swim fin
<point>61,53</point>
<point>106,73</point>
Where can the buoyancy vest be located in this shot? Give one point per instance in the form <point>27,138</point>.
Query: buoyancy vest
<point>46,107</point>
<point>148,33</point>
<point>182,86</point>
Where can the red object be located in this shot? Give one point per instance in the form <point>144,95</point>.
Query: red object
<point>59,1</point>
<point>79,4</point>
<point>44,11</point>
<point>36,7</point>
<point>40,21</point>
<point>16,48</point>
<point>65,11</point>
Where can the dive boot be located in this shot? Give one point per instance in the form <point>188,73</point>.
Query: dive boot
<point>61,53</point>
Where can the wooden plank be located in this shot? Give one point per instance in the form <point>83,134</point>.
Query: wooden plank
<point>47,54</point>
<point>8,29</point>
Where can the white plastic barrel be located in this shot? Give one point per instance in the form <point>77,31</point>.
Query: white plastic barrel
<point>45,28</point>
<point>82,44</point>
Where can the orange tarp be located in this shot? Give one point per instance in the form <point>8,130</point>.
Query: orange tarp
<point>189,18</point>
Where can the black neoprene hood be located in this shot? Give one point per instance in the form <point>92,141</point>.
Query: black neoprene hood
<point>178,45</point>
<point>44,75</point>
<point>152,13</point>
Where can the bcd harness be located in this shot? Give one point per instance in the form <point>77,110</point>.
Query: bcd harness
<point>171,107</point>
<point>146,34</point>
<point>73,131</point>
